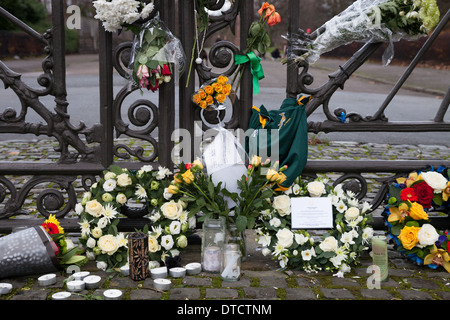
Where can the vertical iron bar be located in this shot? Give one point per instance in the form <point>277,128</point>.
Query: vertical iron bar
<point>443,108</point>
<point>59,55</point>
<point>186,107</point>
<point>414,63</point>
<point>166,108</point>
<point>292,68</point>
<point>246,89</point>
<point>106,95</point>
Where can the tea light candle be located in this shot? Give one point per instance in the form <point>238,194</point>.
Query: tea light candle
<point>193,268</point>
<point>5,288</point>
<point>125,270</point>
<point>47,280</point>
<point>80,275</point>
<point>158,273</point>
<point>64,295</point>
<point>112,294</point>
<point>75,285</point>
<point>162,284</point>
<point>92,282</point>
<point>177,272</point>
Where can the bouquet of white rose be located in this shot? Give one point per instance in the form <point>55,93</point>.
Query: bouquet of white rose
<point>365,20</point>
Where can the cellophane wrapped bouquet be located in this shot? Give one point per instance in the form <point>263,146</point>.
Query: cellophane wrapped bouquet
<point>366,20</point>
<point>157,56</point>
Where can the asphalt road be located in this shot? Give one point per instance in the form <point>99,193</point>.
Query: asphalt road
<point>363,93</point>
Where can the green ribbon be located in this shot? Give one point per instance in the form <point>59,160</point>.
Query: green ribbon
<point>255,68</point>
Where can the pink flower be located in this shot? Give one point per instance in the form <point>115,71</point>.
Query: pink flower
<point>142,71</point>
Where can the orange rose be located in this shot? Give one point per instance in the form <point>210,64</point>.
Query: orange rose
<point>203,104</point>
<point>209,100</point>
<point>202,93</point>
<point>222,80</point>
<point>274,19</point>
<point>209,90</point>
<point>221,98</point>
<point>267,9</point>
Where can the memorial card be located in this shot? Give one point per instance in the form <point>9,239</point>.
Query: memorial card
<point>311,213</point>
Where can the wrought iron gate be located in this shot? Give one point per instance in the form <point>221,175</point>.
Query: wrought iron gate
<point>85,152</point>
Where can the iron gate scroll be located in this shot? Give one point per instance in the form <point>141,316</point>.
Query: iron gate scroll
<point>84,152</point>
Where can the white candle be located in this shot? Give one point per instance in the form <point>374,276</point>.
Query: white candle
<point>75,285</point>
<point>92,282</point>
<point>125,270</point>
<point>112,294</point>
<point>162,284</point>
<point>211,259</point>
<point>80,275</point>
<point>5,288</point>
<point>193,268</point>
<point>61,295</point>
<point>158,273</point>
<point>47,280</point>
<point>177,272</point>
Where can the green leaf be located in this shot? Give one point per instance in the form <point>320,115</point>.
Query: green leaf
<point>241,223</point>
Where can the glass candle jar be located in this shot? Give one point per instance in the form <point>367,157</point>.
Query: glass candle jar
<point>213,239</point>
<point>231,263</point>
<point>380,255</point>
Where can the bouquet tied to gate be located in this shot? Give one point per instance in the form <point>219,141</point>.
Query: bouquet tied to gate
<point>157,56</point>
<point>368,20</point>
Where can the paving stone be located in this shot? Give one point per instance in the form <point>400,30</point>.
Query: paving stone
<point>272,282</point>
<point>184,293</point>
<point>300,294</point>
<point>337,293</point>
<point>242,282</point>
<point>145,294</point>
<point>260,293</point>
<point>212,293</point>
<point>415,295</point>
<point>379,294</point>
<point>40,294</point>
<point>197,282</point>
<point>423,284</point>
<point>344,282</point>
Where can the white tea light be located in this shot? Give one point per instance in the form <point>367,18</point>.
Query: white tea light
<point>177,272</point>
<point>75,285</point>
<point>125,270</point>
<point>193,268</point>
<point>112,294</point>
<point>162,284</point>
<point>80,275</point>
<point>61,295</point>
<point>92,282</point>
<point>159,273</point>
<point>5,288</point>
<point>47,280</point>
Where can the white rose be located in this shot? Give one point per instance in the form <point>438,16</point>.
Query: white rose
<point>285,237</point>
<point>266,251</point>
<point>316,188</point>
<point>91,243</point>
<point>167,195</point>
<point>121,198</point>
<point>264,240</point>
<point>108,244</point>
<point>175,227</point>
<point>300,238</point>
<point>110,175</point>
<point>282,204</point>
<point>123,180</point>
<point>167,242</point>
<point>427,235</point>
<point>153,245</point>
<point>171,210</point>
<point>352,213</point>
<point>275,222</point>
<point>162,173</point>
<point>308,254</point>
<point>94,208</point>
<point>97,232</point>
<point>329,244</point>
<point>435,180</point>
<point>79,208</point>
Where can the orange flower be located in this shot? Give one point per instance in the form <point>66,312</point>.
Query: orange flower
<point>266,8</point>
<point>274,19</point>
<point>203,104</point>
<point>222,79</point>
<point>221,98</point>
<point>226,89</point>
<point>209,100</point>
<point>209,90</point>
<point>202,94</point>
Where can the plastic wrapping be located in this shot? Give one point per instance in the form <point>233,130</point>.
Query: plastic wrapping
<point>368,20</point>
<point>157,56</point>
<point>212,94</point>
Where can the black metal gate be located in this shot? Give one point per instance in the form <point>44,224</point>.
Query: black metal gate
<point>85,152</point>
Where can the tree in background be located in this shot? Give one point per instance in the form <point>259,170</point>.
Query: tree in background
<point>32,12</point>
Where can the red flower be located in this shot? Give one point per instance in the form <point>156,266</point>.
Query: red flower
<point>188,166</point>
<point>51,228</point>
<point>166,70</point>
<point>424,193</point>
<point>408,194</point>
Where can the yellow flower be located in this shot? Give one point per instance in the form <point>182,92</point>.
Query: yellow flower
<point>226,89</point>
<point>256,161</point>
<point>398,213</point>
<point>408,237</point>
<point>222,79</point>
<point>217,87</point>
<point>203,104</point>
<point>272,175</point>
<point>209,99</point>
<point>52,219</point>
<point>178,178</point>
<point>416,212</point>
<point>196,98</point>
<point>446,192</point>
<point>202,93</point>
<point>198,163</point>
<point>173,189</point>
<point>188,177</point>
<point>208,90</point>
<point>413,177</point>
<point>281,177</point>
<point>439,257</point>
<point>221,98</point>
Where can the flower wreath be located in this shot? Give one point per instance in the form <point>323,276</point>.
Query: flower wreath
<point>409,225</point>
<point>297,249</point>
<point>101,207</point>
